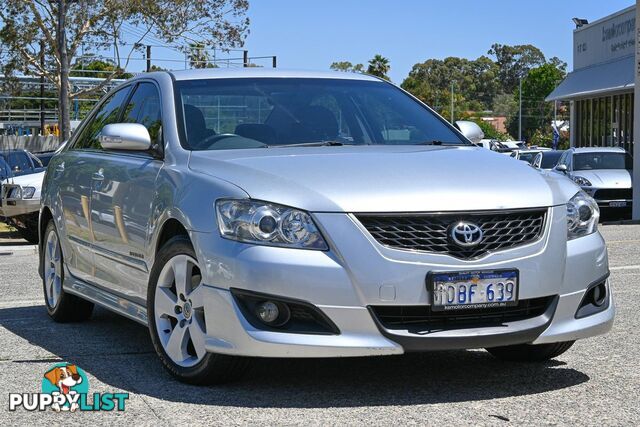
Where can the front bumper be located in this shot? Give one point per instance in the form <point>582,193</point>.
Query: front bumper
<point>14,206</point>
<point>610,201</point>
<point>345,282</point>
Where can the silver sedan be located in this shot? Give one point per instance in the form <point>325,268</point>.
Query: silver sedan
<point>264,213</point>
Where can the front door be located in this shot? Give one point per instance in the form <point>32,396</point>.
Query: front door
<point>122,203</point>
<point>74,173</point>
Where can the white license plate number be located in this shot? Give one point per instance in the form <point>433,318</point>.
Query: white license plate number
<point>474,290</point>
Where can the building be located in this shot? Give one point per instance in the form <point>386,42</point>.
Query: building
<point>600,88</point>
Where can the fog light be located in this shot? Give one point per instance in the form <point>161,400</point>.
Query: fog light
<point>272,313</point>
<point>599,295</point>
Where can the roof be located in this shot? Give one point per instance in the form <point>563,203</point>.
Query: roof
<point>589,81</point>
<point>256,72</point>
<point>599,149</point>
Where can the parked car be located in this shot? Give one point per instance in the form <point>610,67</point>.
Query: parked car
<point>602,172</point>
<point>547,159</point>
<point>526,155</point>
<point>20,204</point>
<point>20,196</point>
<point>268,213</point>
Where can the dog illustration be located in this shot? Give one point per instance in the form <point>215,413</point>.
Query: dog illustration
<point>64,377</point>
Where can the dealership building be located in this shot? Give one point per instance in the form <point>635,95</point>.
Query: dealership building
<point>600,89</point>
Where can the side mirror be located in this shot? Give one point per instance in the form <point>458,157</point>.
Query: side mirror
<point>470,130</point>
<point>561,168</point>
<point>125,136</point>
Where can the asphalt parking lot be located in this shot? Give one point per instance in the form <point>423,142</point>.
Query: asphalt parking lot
<point>596,383</point>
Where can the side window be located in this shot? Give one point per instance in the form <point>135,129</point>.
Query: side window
<point>107,114</point>
<point>563,159</point>
<point>144,108</point>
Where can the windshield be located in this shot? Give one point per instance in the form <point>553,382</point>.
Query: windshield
<point>602,160</point>
<point>272,112</point>
<point>550,158</point>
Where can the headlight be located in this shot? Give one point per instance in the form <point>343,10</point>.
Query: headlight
<point>582,182</point>
<point>267,224</point>
<point>28,192</point>
<point>582,215</point>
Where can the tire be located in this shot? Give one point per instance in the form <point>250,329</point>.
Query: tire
<point>61,306</point>
<point>178,313</point>
<point>530,352</point>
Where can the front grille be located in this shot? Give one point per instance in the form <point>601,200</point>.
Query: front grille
<point>613,194</point>
<point>431,232</point>
<point>420,318</point>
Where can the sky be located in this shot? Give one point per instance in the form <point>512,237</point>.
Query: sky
<point>312,34</point>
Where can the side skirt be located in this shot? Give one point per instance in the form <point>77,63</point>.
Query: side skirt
<point>105,299</point>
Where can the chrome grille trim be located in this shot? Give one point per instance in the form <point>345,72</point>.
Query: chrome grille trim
<point>429,232</point>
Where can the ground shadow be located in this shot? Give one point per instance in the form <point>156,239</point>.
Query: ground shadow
<point>118,352</point>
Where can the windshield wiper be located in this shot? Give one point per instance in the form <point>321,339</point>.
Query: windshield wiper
<point>438,142</point>
<point>327,143</point>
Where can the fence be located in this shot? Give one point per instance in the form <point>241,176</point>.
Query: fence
<point>33,143</point>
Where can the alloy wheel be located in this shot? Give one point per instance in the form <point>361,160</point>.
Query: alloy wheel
<point>52,269</point>
<point>179,311</point>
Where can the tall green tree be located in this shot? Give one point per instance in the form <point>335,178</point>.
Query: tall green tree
<point>536,112</point>
<point>514,62</point>
<point>474,83</point>
<point>379,66</point>
<point>63,26</point>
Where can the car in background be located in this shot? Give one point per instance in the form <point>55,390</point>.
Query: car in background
<point>602,172</point>
<point>20,204</point>
<point>547,159</point>
<point>20,191</point>
<point>525,155</point>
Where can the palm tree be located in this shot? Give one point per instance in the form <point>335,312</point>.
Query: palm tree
<point>379,66</point>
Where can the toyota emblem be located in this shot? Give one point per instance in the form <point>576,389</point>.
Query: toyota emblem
<point>466,234</point>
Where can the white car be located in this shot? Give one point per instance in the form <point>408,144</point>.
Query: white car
<point>20,204</point>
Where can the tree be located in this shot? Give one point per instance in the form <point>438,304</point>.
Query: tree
<point>514,62</point>
<point>98,68</point>
<point>474,83</point>
<point>199,57</point>
<point>379,66</point>
<point>536,86</point>
<point>63,26</point>
<point>347,66</point>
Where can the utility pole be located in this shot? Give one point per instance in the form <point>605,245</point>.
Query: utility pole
<point>148,58</point>
<point>520,109</point>
<point>42,123</point>
<point>275,62</point>
<point>245,58</point>
<point>452,112</point>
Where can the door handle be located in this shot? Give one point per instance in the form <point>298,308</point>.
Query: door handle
<point>98,176</point>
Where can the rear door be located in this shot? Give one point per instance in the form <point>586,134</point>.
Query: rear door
<point>122,202</point>
<point>74,174</point>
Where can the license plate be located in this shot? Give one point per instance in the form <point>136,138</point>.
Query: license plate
<point>618,204</point>
<point>473,289</point>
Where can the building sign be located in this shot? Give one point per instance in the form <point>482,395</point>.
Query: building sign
<point>604,40</point>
